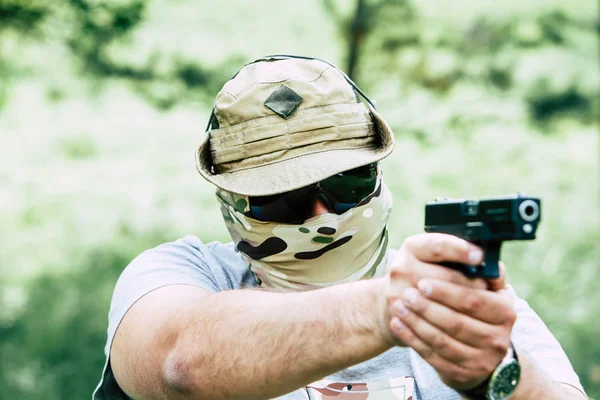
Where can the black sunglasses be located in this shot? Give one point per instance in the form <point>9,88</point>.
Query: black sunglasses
<point>340,193</point>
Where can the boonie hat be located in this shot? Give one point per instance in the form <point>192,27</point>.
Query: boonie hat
<point>284,122</point>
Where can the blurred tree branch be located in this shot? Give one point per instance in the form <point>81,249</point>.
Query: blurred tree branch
<point>94,28</point>
<point>385,36</point>
<point>354,29</point>
<point>357,29</point>
<point>377,34</point>
<point>21,15</point>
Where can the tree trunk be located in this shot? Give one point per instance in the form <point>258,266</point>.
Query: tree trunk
<point>356,31</point>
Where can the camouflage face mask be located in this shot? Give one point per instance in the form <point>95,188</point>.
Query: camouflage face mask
<point>325,250</point>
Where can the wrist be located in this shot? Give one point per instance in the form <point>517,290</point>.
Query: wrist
<point>380,312</point>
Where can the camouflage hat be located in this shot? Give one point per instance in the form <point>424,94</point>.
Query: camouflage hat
<point>284,122</point>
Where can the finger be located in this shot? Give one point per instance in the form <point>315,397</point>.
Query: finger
<point>484,305</point>
<point>500,282</point>
<point>461,377</point>
<point>463,328</point>
<point>438,340</point>
<point>439,247</point>
<point>410,339</point>
<point>414,270</point>
<point>508,293</point>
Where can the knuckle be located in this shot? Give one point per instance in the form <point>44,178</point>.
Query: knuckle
<point>472,303</point>
<point>505,312</point>
<point>440,342</point>
<point>510,315</point>
<point>402,267</point>
<point>437,249</point>
<point>455,327</point>
<point>396,272</point>
<point>427,353</point>
<point>498,344</point>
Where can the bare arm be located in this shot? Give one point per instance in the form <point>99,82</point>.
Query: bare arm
<point>183,342</point>
<point>535,384</point>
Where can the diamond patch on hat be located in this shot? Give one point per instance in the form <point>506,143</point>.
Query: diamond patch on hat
<point>284,101</point>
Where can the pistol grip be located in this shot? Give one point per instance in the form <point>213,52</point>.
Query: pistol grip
<point>488,269</point>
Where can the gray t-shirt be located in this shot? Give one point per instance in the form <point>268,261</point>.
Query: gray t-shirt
<point>218,267</point>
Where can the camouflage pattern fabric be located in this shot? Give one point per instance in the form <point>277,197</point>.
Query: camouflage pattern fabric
<point>325,250</point>
<point>389,389</point>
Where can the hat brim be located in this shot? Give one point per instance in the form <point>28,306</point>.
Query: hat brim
<point>294,173</point>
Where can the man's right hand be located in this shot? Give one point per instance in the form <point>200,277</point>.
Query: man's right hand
<point>419,258</point>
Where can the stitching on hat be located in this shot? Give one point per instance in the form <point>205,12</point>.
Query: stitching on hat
<point>241,145</point>
<point>275,117</point>
<point>244,149</point>
<point>342,148</point>
<point>321,74</point>
<point>230,158</point>
<point>223,120</point>
<point>231,94</point>
<point>283,80</point>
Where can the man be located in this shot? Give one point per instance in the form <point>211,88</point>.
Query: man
<point>308,302</point>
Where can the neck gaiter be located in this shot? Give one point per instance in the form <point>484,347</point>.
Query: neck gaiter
<point>325,250</point>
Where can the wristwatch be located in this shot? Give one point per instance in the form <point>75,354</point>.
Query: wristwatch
<point>501,383</point>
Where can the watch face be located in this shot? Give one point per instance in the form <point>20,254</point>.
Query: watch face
<point>504,381</point>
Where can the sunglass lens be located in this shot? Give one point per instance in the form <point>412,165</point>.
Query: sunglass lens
<point>341,192</point>
<point>350,187</point>
<point>290,207</point>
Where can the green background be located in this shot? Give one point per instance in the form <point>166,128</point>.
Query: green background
<point>102,104</point>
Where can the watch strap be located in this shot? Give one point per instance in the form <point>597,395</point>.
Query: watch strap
<point>478,392</point>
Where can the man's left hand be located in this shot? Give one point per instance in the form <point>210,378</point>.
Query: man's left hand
<point>464,333</point>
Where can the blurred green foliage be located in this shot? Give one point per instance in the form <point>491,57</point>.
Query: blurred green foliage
<point>90,30</point>
<point>52,349</point>
<point>484,100</point>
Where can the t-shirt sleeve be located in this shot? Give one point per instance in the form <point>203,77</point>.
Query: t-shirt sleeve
<point>531,336</point>
<point>184,262</point>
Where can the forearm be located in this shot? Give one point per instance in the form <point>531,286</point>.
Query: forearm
<point>536,384</point>
<point>254,344</point>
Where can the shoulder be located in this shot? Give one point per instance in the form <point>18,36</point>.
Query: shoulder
<point>214,267</point>
<point>187,260</point>
<point>188,249</point>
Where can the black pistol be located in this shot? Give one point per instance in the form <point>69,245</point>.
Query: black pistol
<point>487,223</point>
